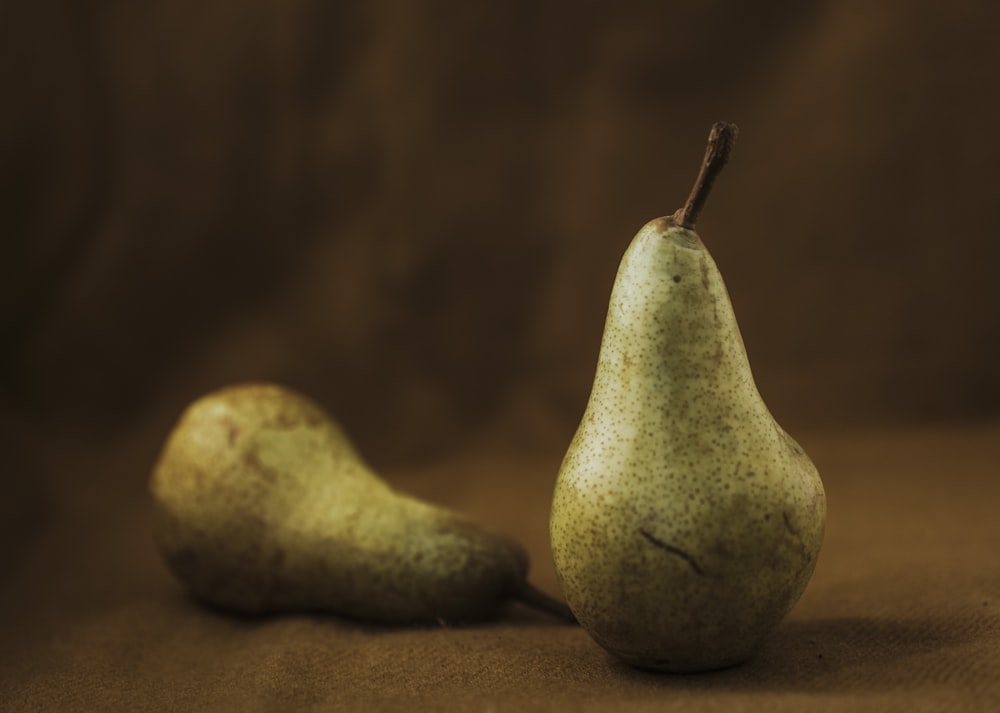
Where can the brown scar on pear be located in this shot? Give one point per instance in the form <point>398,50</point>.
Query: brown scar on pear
<point>656,542</point>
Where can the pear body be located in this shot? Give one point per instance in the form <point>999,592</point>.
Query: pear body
<point>263,505</point>
<point>685,522</point>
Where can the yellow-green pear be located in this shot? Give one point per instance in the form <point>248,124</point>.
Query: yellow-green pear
<point>685,522</point>
<point>263,505</point>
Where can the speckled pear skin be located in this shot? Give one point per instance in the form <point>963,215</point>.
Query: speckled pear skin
<point>685,522</point>
<point>263,505</point>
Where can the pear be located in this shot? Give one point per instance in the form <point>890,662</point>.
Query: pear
<point>263,505</point>
<point>685,522</point>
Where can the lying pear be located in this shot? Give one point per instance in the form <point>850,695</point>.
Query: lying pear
<point>263,505</point>
<point>685,522</point>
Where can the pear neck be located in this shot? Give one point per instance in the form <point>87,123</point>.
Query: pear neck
<point>670,326</point>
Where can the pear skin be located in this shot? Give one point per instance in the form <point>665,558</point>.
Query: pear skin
<point>263,505</point>
<point>685,522</point>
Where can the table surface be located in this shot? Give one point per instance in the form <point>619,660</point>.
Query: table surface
<point>903,612</point>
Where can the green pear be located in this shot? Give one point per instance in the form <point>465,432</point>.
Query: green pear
<point>263,505</point>
<point>685,521</point>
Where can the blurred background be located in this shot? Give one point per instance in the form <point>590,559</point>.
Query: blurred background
<point>414,212</point>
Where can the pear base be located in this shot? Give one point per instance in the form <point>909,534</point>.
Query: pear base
<point>683,660</point>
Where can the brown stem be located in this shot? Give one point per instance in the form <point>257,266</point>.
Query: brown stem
<point>540,600</point>
<point>720,145</point>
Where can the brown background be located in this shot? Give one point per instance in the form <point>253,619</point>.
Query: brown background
<point>413,212</point>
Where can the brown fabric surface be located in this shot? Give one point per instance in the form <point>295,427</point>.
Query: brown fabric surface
<point>903,612</point>
<point>413,212</point>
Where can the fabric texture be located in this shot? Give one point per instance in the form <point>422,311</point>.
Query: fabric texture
<point>902,613</point>
<point>413,213</point>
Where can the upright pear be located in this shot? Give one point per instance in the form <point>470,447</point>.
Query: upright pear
<point>263,505</point>
<point>685,522</point>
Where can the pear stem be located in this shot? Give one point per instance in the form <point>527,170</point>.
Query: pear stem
<point>538,599</point>
<point>721,140</point>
